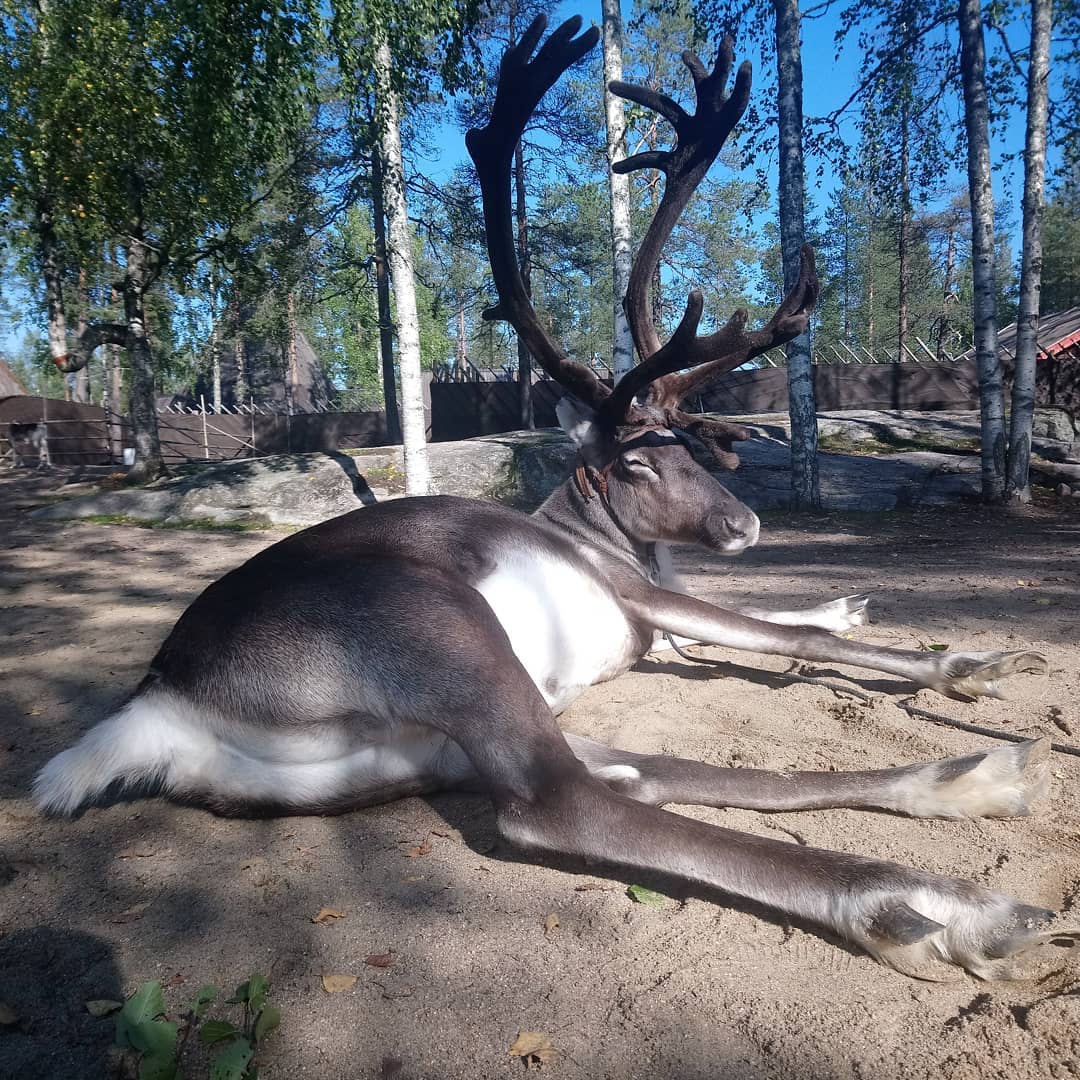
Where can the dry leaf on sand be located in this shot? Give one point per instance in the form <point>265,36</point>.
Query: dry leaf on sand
<point>534,1046</point>
<point>334,984</point>
<point>326,914</point>
<point>379,960</point>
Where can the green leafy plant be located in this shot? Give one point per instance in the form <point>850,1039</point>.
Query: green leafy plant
<point>158,1043</point>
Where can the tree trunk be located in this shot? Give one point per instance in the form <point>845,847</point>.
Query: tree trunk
<point>149,464</point>
<point>113,393</point>
<point>988,366</point>
<point>382,295</point>
<point>242,389</point>
<point>805,490</point>
<point>871,221</point>
<point>1031,260</point>
<point>81,387</point>
<point>621,255</point>
<point>904,235</point>
<point>462,360</point>
<point>525,401</point>
<point>400,258</point>
<point>215,346</point>
<point>290,354</point>
<point>950,284</point>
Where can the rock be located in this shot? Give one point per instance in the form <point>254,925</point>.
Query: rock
<point>1063,490</point>
<point>1054,424</point>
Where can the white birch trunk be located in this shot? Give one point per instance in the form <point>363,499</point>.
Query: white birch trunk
<point>987,364</point>
<point>802,408</point>
<point>400,258</point>
<point>623,342</point>
<point>1031,260</point>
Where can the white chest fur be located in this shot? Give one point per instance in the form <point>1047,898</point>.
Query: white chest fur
<point>565,627</point>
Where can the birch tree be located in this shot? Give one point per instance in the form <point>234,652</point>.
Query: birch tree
<point>621,255</point>
<point>400,259</point>
<point>805,488</point>
<point>153,127</point>
<point>1031,265</point>
<point>988,367</point>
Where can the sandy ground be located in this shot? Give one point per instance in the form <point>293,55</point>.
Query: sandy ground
<point>690,990</point>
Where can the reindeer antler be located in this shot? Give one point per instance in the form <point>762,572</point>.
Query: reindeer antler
<point>699,138</point>
<point>522,83</point>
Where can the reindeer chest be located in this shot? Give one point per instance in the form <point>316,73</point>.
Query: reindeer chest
<point>564,624</point>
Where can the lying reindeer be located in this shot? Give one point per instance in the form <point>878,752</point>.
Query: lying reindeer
<point>427,644</point>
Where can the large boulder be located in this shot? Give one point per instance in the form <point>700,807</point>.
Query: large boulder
<point>521,468</point>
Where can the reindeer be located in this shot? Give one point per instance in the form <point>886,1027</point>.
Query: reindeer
<point>427,644</point>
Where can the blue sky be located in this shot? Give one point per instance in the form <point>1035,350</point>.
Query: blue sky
<point>828,82</point>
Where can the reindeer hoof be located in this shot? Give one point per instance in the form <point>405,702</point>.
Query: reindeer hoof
<point>837,616</point>
<point>967,676</point>
<point>998,783</point>
<point>937,933</point>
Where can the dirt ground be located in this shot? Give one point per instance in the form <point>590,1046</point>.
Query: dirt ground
<point>693,989</point>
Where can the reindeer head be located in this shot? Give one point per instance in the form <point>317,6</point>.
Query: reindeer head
<point>637,454</point>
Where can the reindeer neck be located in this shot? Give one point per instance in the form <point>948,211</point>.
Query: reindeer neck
<point>583,515</point>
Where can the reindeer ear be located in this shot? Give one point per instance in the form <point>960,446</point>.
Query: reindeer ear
<point>579,422</point>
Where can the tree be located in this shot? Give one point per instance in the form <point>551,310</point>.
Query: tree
<point>1027,323</point>
<point>157,128</point>
<point>976,122</point>
<point>400,257</point>
<point>621,260</point>
<point>1061,247</point>
<point>805,487</point>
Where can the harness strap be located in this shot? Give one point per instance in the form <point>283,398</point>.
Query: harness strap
<point>591,482</point>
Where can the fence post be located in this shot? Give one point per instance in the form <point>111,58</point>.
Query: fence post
<point>205,439</point>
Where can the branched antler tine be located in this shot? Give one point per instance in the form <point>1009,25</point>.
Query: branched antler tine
<point>698,140</point>
<point>667,107</point>
<point>647,159</point>
<point>670,358</point>
<point>522,83</point>
<point>733,345</point>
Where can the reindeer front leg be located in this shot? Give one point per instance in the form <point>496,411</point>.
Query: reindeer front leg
<point>957,675</point>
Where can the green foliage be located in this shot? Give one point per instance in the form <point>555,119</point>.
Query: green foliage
<point>158,1043</point>
<point>1061,245</point>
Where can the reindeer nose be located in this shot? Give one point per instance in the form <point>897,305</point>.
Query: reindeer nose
<point>744,529</point>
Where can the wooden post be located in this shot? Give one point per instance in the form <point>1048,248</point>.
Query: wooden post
<point>205,438</point>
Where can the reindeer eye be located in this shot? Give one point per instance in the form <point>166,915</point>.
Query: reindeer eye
<point>638,466</point>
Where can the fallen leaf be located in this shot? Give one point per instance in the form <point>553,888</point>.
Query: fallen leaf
<point>593,886</point>
<point>102,1006</point>
<point>938,648</point>
<point>1043,602</point>
<point>423,848</point>
<point>326,914</point>
<point>7,1015</point>
<point>551,924</point>
<point>379,960</point>
<point>534,1047</point>
<point>334,984</point>
<point>640,895</point>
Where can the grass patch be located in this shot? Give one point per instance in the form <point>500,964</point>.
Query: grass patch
<point>839,443</point>
<point>387,476</point>
<point>194,525</point>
